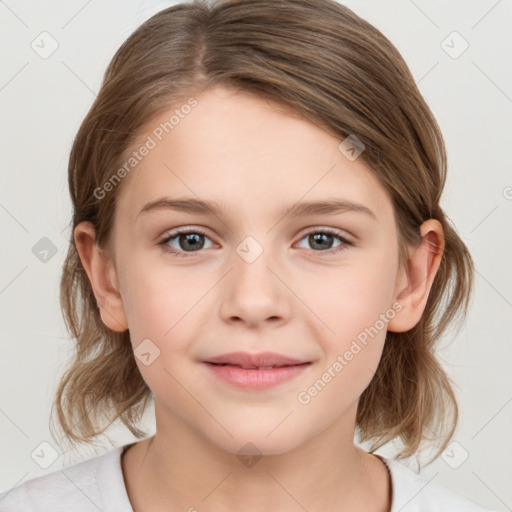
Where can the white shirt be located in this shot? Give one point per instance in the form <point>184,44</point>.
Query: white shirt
<point>98,485</point>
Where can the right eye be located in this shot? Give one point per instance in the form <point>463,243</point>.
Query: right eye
<point>184,239</point>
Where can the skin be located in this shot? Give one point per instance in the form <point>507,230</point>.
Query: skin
<point>253,158</point>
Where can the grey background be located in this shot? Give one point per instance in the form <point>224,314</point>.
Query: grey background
<point>42,102</point>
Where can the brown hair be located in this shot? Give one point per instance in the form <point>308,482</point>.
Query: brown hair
<point>336,70</point>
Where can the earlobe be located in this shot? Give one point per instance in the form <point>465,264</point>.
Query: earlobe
<point>101,272</point>
<point>417,278</point>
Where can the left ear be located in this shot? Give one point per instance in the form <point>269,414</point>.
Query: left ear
<point>415,281</point>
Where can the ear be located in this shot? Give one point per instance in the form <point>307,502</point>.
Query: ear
<point>415,281</point>
<point>101,272</point>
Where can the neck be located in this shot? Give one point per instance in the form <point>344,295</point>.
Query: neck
<point>183,471</point>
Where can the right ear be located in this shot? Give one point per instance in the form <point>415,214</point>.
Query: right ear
<point>101,272</point>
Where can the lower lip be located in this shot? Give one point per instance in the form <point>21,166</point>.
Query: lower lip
<point>256,380</point>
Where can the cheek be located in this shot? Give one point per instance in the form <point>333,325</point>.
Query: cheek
<point>352,299</point>
<point>161,301</point>
<point>166,310</point>
<point>163,309</point>
<point>354,308</point>
<point>352,335</point>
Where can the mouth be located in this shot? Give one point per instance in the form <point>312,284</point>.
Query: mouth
<point>271,367</point>
<point>255,372</point>
<point>261,360</point>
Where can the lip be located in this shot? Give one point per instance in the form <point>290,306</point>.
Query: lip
<point>257,371</point>
<point>248,359</point>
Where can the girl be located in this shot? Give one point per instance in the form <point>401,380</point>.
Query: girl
<point>258,247</point>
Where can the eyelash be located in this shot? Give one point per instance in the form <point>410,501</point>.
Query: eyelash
<point>182,254</point>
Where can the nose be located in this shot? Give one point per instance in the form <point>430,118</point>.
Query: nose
<point>254,292</point>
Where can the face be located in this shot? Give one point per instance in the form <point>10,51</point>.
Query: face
<point>316,285</point>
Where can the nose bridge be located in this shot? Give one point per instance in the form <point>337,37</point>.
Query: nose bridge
<point>253,258</point>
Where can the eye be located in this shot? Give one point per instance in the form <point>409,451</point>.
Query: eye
<point>322,239</point>
<point>184,240</point>
<point>191,240</point>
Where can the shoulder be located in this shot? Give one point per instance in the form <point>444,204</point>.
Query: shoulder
<point>92,485</point>
<point>415,493</point>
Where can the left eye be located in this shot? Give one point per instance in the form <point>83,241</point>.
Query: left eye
<point>324,238</point>
<point>190,241</point>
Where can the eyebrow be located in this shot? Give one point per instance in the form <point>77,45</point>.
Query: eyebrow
<point>201,207</point>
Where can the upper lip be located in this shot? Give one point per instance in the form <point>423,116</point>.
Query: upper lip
<point>247,359</point>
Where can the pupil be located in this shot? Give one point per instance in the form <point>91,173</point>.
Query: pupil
<point>192,239</point>
<point>318,238</point>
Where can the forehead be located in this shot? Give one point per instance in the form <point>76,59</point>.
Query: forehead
<point>245,153</point>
